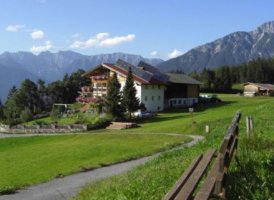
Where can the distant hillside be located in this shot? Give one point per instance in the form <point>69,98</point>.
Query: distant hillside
<point>235,48</point>
<point>15,67</point>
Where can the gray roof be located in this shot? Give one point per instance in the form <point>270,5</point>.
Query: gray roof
<point>136,71</point>
<point>150,74</point>
<point>182,78</point>
<point>145,71</point>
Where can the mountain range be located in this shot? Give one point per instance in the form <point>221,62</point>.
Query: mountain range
<point>15,67</point>
<point>233,49</point>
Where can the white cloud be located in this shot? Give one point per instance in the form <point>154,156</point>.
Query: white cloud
<point>37,34</point>
<point>102,40</point>
<point>102,36</point>
<point>46,47</point>
<point>175,53</point>
<point>109,42</point>
<point>154,53</point>
<point>14,28</point>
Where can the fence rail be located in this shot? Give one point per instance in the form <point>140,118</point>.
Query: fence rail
<point>214,183</point>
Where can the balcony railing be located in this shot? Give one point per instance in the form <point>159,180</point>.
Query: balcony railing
<point>99,77</point>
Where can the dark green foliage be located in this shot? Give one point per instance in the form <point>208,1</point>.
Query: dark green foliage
<point>27,97</point>
<point>207,77</point>
<point>26,115</point>
<point>130,101</point>
<point>113,98</point>
<point>66,91</point>
<point>55,114</point>
<point>194,75</point>
<point>11,92</point>
<point>13,106</point>
<point>30,96</point>
<point>37,98</point>
<point>1,111</point>
<point>221,79</point>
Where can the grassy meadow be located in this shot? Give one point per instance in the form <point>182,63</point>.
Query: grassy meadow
<point>253,179</point>
<point>31,160</point>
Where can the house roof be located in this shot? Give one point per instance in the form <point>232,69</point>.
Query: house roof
<point>182,78</point>
<point>146,74</point>
<point>261,85</point>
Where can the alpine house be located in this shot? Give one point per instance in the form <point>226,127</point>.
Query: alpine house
<point>156,90</point>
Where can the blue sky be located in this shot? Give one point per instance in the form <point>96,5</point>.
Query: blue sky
<point>151,28</point>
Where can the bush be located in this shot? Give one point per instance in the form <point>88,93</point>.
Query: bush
<point>55,115</point>
<point>26,115</point>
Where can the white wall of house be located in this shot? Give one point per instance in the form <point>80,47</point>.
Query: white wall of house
<point>153,97</point>
<point>181,102</point>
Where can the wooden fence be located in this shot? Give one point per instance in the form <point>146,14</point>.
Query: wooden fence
<point>214,183</point>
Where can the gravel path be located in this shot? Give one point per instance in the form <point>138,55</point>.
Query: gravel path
<point>66,187</point>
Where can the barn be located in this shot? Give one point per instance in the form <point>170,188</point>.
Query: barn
<point>258,89</point>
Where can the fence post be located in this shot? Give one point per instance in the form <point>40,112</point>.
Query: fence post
<point>207,128</point>
<point>251,124</point>
<point>247,127</point>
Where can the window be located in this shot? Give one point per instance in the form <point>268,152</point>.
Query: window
<point>145,98</point>
<point>180,102</point>
<point>152,98</point>
<point>159,86</point>
<point>159,98</point>
<point>175,102</point>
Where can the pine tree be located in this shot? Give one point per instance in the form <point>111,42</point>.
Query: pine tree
<point>113,98</point>
<point>130,101</point>
<point>11,92</point>
<point>1,110</point>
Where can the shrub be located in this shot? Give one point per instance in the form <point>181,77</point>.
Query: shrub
<point>55,115</point>
<point>26,115</point>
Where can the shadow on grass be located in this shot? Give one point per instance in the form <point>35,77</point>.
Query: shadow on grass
<point>165,118</point>
<point>199,107</point>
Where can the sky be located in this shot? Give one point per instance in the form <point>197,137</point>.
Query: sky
<point>151,28</point>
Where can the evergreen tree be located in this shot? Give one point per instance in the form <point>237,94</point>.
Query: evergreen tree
<point>31,98</point>
<point>11,92</point>
<point>207,77</point>
<point>194,75</point>
<point>130,101</point>
<point>113,98</point>
<point>223,79</point>
<point>1,110</point>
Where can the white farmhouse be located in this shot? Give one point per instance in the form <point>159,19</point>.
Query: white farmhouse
<point>155,89</point>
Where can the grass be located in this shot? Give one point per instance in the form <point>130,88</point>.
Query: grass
<point>253,180</point>
<point>238,86</point>
<point>32,160</point>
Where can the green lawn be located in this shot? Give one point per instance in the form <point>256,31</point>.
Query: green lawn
<point>254,180</point>
<point>30,160</point>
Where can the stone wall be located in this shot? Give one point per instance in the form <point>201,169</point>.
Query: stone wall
<point>43,128</point>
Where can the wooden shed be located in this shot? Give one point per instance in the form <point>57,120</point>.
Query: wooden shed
<point>258,89</point>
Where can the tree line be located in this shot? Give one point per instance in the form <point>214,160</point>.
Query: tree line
<point>33,98</point>
<point>222,78</point>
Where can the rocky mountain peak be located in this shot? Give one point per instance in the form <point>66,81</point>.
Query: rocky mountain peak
<point>232,49</point>
<point>267,27</point>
